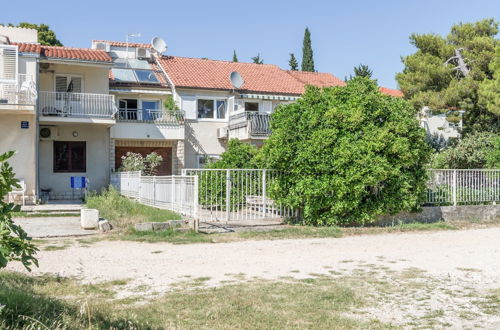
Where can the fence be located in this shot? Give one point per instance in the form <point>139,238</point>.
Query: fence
<point>237,194</point>
<point>83,105</point>
<point>463,186</point>
<point>176,193</point>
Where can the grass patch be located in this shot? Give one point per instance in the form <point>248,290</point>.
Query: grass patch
<point>292,232</point>
<point>59,303</point>
<point>168,235</point>
<point>43,214</point>
<point>123,212</point>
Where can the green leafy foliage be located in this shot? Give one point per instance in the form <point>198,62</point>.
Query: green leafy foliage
<point>292,62</point>
<point>136,162</point>
<point>471,152</point>
<point>489,91</point>
<point>15,245</point>
<point>170,103</point>
<point>348,154</point>
<point>427,81</point>
<point>237,155</point>
<point>363,70</point>
<point>46,36</point>
<point>493,156</point>
<point>257,59</point>
<point>235,57</point>
<point>307,52</point>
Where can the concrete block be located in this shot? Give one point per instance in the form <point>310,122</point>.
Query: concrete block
<point>159,226</point>
<point>177,223</point>
<point>104,225</point>
<point>144,226</point>
<point>89,218</point>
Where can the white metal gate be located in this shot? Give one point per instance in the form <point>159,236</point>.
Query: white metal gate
<point>236,194</point>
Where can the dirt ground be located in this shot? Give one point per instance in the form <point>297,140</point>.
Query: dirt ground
<point>444,277</point>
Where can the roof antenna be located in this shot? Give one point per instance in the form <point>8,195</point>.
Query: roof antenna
<point>131,35</point>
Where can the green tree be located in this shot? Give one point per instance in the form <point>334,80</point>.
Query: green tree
<point>292,62</point>
<point>347,154</point>
<point>237,155</point>
<point>170,104</point>
<point>257,59</point>
<point>307,53</point>
<point>427,81</point>
<point>46,36</point>
<point>363,70</point>
<point>15,245</point>
<point>473,151</point>
<point>489,90</point>
<point>235,57</point>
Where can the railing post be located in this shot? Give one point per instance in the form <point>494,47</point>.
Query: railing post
<point>154,190</point>
<point>228,195</point>
<point>173,193</point>
<point>454,188</point>
<point>264,191</point>
<point>195,205</point>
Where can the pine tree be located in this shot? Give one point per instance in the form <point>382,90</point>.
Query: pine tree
<point>294,65</point>
<point>257,59</point>
<point>235,58</point>
<point>307,53</point>
<point>363,70</point>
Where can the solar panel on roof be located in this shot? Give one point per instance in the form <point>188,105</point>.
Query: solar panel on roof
<point>146,76</point>
<point>124,75</point>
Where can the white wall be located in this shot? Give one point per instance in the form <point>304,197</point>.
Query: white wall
<point>13,137</point>
<point>95,78</point>
<point>17,34</point>
<point>97,158</point>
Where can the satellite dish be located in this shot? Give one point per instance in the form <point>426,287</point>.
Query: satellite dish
<point>159,45</point>
<point>236,80</point>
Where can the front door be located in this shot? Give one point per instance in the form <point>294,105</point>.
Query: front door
<point>165,167</point>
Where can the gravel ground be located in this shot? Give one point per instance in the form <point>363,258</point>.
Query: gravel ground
<point>446,273</point>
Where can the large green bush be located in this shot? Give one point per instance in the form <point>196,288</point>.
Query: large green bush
<point>348,154</point>
<point>473,151</point>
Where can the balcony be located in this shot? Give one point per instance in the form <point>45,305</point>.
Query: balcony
<point>77,107</point>
<point>167,117</point>
<point>18,94</point>
<point>149,124</point>
<point>249,125</point>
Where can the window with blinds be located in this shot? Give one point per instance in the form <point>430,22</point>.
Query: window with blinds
<point>68,84</point>
<point>8,64</point>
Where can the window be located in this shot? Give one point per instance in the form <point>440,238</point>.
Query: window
<point>204,160</point>
<point>69,156</point>
<point>128,109</point>
<point>251,106</point>
<point>211,109</point>
<point>69,84</point>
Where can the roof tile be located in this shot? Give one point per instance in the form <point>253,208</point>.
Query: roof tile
<point>84,54</point>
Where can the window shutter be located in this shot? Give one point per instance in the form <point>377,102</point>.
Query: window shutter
<point>8,64</point>
<point>267,106</point>
<point>189,106</point>
<point>77,84</point>
<point>61,84</point>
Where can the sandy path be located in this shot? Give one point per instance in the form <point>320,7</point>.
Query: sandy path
<point>158,265</point>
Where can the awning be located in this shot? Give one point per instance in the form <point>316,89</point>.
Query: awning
<point>269,97</point>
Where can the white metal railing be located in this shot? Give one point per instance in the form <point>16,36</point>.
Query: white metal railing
<point>175,193</point>
<point>237,194</point>
<point>457,186</point>
<point>22,92</point>
<point>256,122</point>
<point>84,105</point>
<point>173,117</point>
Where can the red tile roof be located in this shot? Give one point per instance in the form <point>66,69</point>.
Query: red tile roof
<point>264,78</point>
<point>70,53</point>
<point>123,44</point>
<point>318,79</point>
<point>391,92</point>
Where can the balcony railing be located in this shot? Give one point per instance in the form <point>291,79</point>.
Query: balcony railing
<point>257,123</point>
<point>77,105</point>
<point>170,117</point>
<point>22,92</point>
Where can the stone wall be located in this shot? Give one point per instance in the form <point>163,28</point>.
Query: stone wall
<point>472,213</point>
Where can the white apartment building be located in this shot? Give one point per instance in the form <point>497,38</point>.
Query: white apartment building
<point>74,112</point>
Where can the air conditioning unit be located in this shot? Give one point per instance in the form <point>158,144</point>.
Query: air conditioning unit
<point>48,133</point>
<point>222,133</point>
<point>143,53</point>
<point>102,46</point>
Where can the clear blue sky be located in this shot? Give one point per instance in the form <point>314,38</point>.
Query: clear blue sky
<point>344,33</point>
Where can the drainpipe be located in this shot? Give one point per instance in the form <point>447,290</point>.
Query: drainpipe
<point>37,130</point>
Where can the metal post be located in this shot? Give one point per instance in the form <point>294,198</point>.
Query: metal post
<point>454,188</point>
<point>228,195</point>
<point>263,192</point>
<point>195,205</point>
<point>173,193</point>
<point>154,190</point>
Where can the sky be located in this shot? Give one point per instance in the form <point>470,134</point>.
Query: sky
<point>344,33</point>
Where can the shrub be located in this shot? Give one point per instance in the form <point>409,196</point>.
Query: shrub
<point>15,245</point>
<point>472,151</point>
<point>136,162</point>
<point>349,154</point>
